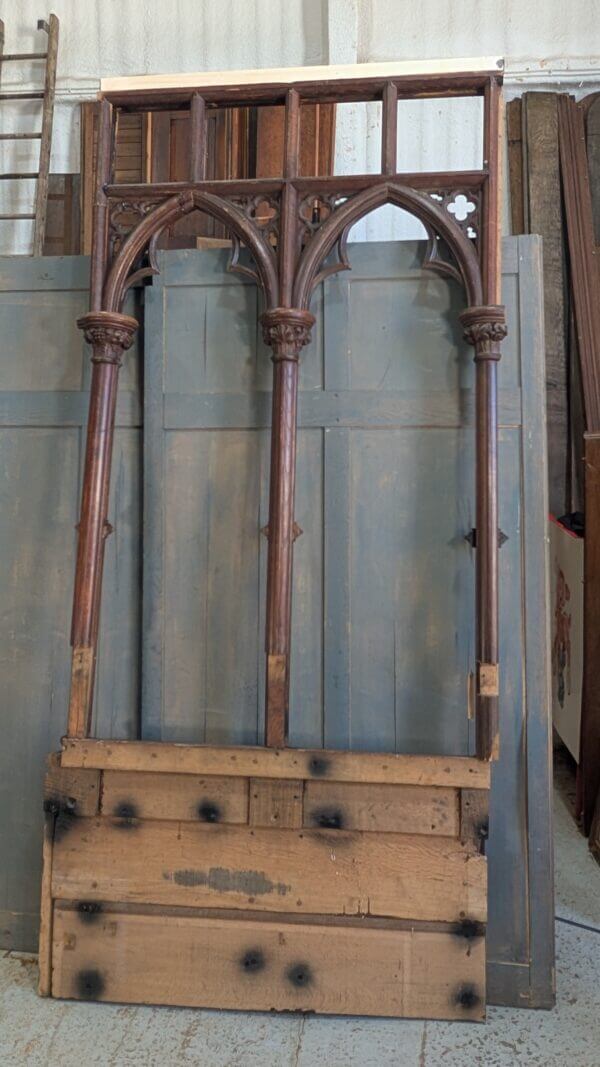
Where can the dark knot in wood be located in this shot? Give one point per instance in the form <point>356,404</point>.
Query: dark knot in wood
<point>286,331</point>
<point>484,328</point>
<point>110,334</point>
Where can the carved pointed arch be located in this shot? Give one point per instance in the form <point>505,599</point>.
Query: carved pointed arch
<point>146,232</point>
<point>434,217</point>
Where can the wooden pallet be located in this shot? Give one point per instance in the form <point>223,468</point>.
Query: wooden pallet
<point>261,879</point>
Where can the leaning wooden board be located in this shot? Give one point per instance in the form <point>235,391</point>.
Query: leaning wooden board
<point>259,892</point>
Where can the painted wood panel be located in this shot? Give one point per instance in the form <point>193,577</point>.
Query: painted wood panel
<point>383,576</point>
<point>348,408</point>
<point>44,378</point>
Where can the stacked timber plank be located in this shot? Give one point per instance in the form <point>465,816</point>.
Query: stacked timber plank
<point>265,879</point>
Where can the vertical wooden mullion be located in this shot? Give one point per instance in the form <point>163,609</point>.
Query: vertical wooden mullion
<point>291,150</point>
<point>100,214</point>
<point>197,138</point>
<point>486,474</point>
<point>490,241</point>
<point>389,129</point>
<point>286,350</point>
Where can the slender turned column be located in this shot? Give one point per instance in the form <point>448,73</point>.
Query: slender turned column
<point>110,334</point>
<point>484,328</point>
<point>286,330</point>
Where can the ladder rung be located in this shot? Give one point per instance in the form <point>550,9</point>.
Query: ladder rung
<point>4,217</point>
<point>19,136</point>
<point>22,96</point>
<point>25,174</point>
<point>10,56</point>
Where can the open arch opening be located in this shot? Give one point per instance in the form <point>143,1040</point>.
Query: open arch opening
<point>435,219</point>
<point>171,210</point>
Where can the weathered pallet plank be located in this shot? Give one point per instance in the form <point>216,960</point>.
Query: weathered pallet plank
<point>276,802</point>
<point>309,871</point>
<point>253,965</point>
<point>46,909</point>
<point>143,795</point>
<point>249,762</point>
<point>403,809</point>
<point>74,791</point>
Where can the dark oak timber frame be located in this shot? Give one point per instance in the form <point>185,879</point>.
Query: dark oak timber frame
<point>288,234</point>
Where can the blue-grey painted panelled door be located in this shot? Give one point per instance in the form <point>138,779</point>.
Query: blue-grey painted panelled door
<point>383,575</point>
<point>44,382</point>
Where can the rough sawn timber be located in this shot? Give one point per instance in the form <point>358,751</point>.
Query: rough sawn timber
<point>247,965</point>
<point>249,761</point>
<point>278,893</point>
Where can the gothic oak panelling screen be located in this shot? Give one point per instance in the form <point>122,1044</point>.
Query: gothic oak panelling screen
<point>249,844</point>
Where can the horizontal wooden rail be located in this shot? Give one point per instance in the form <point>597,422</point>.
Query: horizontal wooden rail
<point>247,761</point>
<point>340,183</point>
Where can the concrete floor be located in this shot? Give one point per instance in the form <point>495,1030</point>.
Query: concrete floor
<point>46,1033</point>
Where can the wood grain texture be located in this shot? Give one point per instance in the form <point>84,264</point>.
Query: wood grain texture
<point>247,761</point>
<point>276,802</point>
<point>310,871</point>
<point>131,159</point>
<point>515,164</point>
<point>402,809</point>
<point>288,75</point>
<point>75,791</point>
<point>175,796</point>
<point>63,226</point>
<point>592,130</point>
<point>589,763</point>
<point>45,949</point>
<point>582,252</point>
<point>544,216</point>
<point>41,193</point>
<point>251,965</point>
<point>474,819</point>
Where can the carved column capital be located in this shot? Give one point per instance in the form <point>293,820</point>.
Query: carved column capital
<point>484,328</point>
<point>110,333</point>
<point>286,330</point>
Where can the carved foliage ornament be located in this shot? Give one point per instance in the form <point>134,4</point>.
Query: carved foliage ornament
<point>286,330</point>
<point>110,334</point>
<point>484,328</point>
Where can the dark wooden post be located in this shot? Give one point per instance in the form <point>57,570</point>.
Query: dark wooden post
<point>110,334</point>
<point>589,763</point>
<point>484,328</point>
<point>286,330</point>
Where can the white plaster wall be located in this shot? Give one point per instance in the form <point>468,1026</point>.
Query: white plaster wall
<point>545,42</point>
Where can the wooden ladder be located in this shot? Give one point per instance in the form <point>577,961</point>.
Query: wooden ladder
<point>45,134</point>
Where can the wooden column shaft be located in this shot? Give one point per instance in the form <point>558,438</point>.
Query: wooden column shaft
<point>485,327</point>
<point>100,215</point>
<point>110,334</point>
<point>281,503</point>
<point>95,497</point>
<point>286,330</point>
